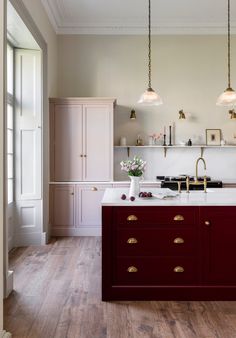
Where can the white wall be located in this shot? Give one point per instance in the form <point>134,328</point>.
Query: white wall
<point>189,72</point>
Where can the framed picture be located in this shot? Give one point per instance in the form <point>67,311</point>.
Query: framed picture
<point>213,137</point>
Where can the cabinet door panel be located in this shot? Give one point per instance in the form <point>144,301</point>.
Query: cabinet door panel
<point>97,142</point>
<point>62,206</point>
<point>89,205</point>
<point>68,142</point>
<point>219,244</point>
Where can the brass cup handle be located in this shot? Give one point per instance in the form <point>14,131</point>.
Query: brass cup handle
<point>178,269</point>
<point>132,218</point>
<point>178,240</point>
<point>94,189</point>
<point>132,240</point>
<point>207,223</point>
<point>179,218</point>
<point>132,269</point>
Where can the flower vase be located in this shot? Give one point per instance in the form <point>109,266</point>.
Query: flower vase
<point>134,189</point>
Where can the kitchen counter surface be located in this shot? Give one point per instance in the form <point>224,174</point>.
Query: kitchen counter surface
<point>213,197</point>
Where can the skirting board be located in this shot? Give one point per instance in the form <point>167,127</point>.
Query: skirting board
<point>5,334</point>
<point>26,239</point>
<point>81,231</point>
<point>9,283</point>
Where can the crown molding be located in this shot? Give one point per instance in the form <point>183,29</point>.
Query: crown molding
<point>163,29</point>
<point>53,14</point>
<point>57,16</point>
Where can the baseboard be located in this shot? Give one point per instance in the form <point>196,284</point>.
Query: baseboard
<point>26,239</point>
<point>9,283</point>
<point>81,231</point>
<point>44,238</point>
<point>5,334</point>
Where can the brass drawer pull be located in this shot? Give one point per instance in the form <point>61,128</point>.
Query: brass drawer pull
<point>179,218</point>
<point>132,241</point>
<point>132,269</point>
<point>178,269</point>
<point>94,189</point>
<point>178,240</point>
<point>132,218</point>
<point>207,223</point>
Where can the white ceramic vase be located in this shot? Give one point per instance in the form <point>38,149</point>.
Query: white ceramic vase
<point>134,189</point>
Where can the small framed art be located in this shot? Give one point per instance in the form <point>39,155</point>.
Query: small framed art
<point>213,137</point>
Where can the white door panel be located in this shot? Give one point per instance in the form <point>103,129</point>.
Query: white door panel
<point>97,142</point>
<point>88,201</point>
<point>68,142</point>
<point>28,147</point>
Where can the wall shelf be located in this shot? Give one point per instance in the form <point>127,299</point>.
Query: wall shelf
<point>200,146</point>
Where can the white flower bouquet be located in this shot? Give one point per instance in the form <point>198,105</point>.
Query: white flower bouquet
<point>135,167</point>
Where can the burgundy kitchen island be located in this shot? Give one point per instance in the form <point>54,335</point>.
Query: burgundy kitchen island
<point>183,248</point>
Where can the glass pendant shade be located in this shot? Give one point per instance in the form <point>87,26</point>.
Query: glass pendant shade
<point>150,98</point>
<point>227,98</point>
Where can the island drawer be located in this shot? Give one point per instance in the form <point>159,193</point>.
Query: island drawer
<point>155,271</point>
<point>176,216</point>
<point>155,242</point>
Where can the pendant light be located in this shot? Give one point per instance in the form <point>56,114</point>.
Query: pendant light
<point>150,97</point>
<point>228,97</point>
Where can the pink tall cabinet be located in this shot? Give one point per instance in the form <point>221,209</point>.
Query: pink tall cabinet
<point>81,163</point>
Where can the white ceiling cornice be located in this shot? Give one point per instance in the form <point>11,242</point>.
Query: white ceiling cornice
<point>64,21</point>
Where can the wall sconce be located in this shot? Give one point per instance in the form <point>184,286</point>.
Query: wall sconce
<point>232,114</point>
<point>182,115</point>
<point>132,115</point>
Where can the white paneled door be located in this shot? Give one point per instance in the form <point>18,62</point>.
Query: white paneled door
<point>97,140</point>
<point>28,149</point>
<point>68,142</point>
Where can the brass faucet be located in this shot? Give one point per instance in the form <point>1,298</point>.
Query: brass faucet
<point>197,182</point>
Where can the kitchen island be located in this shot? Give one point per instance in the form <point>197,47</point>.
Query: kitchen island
<point>181,248</point>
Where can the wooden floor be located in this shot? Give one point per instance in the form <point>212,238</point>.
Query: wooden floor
<point>58,294</point>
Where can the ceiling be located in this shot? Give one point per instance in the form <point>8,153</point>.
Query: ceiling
<point>130,16</point>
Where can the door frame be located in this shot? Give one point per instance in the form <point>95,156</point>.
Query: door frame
<point>28,21</point>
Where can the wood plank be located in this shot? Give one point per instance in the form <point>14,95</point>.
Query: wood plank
<point>58,295</point>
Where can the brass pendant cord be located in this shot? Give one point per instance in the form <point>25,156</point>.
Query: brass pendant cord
<point>149,44</point>
<point>229,84</point>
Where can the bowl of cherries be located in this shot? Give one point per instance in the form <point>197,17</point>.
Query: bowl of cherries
<point>145,194</point>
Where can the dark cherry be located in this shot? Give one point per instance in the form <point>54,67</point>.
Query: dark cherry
<point>123,197</point>
<point>132,198</point>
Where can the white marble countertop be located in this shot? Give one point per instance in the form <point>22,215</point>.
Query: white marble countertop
<point>213,197</point>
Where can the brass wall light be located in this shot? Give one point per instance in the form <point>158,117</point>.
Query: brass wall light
<point>132,115</point>
<point>228,97</point>
<point>182,115</point>
<point>232,114</point>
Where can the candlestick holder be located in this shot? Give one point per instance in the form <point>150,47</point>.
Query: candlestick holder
<point>170,144</point>
<point>164,143</point>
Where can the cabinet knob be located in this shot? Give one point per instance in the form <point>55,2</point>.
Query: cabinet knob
<point>132,269</point>
<point>178,269</point>
<point>178,240</point>
<point>179,218</point>
<point>132,241</point>
<point>72,193</point>
<point>85,155</point>
<point>94,189</point>
<point>81,155</point>
<point>132,218</point>
<point>207,223</point>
